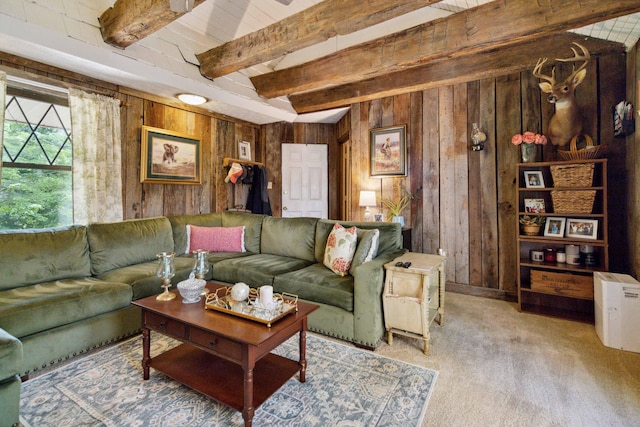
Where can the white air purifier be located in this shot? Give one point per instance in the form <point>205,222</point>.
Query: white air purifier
<point>617,310</point>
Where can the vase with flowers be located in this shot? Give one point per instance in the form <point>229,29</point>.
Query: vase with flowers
<point>529,143</point>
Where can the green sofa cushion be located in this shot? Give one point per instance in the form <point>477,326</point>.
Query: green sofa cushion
<point>119,244</point>
<point>35,308</point>
<point>10,355</point>
<point>255,270</point>
<point>142,277</point>
<point>33,256</point>
<point>252,227</point>
<point>289,237</point>
<point>215,257</point>
<point>319,284</point>
<point>179,227</point>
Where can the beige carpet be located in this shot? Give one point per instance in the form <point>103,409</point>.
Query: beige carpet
<point>499,367</point>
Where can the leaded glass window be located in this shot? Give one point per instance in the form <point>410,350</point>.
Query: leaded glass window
<point>36,186</point>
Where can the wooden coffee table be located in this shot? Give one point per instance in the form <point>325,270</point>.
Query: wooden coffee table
<point>224,357</point>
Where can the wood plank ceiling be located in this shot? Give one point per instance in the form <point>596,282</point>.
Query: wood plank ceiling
<point>497,35</point>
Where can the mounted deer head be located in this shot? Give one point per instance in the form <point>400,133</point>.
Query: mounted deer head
<point>566,122</point>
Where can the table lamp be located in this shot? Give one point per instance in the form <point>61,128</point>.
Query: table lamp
<point>367,198</point>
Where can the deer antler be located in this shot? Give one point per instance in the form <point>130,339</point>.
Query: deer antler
<point>576,58</point>
<point>538,68</point>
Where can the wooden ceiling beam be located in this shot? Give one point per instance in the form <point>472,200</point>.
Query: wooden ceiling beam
<point>492,25</point>
<point>500,61</point>
<point>128,21</point>
<point>303,29</point>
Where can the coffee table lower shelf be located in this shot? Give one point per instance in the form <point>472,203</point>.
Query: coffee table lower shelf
<point>223,380</point>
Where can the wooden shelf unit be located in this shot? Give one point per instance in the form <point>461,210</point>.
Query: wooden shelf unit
<point>549,302</point>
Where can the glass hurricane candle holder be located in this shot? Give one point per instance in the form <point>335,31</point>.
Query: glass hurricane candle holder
<point>165,271</point>
<point>201,263</point>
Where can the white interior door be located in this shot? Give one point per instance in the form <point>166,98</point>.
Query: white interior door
<point>305,180</point>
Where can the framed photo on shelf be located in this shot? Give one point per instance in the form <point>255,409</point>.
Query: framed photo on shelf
<point>534,205</point>
<point>169,157</point>
<point>387,151</point>
<point>244,150</point>
<point>554,226</point>
<point>377,217</point>
<point>582,228</point>
<point>533,179</point>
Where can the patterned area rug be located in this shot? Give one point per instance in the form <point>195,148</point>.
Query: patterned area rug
<point>345,387</point>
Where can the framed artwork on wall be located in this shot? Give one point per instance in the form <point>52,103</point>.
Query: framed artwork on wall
<point>387,151</point>
<point>244,150</point>
<point>169,157</point>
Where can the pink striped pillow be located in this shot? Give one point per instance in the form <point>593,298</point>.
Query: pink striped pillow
<point>215,239</point>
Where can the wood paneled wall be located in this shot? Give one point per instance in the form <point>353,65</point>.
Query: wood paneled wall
<point>275,134</point>
<point>219,134</point>
<point>466,200</point>
<point>219,139</point>
<point>632,210</point>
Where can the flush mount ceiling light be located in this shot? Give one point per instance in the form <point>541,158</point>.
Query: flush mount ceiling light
<point>191,99</point>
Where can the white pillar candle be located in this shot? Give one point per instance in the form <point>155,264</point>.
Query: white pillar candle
<point>572,254</point>
<point>266,296</point>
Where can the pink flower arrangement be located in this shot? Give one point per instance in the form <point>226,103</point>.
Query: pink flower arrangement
<point>529,138</point>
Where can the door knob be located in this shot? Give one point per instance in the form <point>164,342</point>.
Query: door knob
<point>284,208</point>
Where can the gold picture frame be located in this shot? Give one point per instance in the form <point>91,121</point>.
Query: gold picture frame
<point>169,157</point>
<point>387,151</point>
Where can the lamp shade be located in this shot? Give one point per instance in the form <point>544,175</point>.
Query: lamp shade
<point>368,198</point>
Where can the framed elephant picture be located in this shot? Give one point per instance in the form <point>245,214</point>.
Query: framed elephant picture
<point>169,157</point>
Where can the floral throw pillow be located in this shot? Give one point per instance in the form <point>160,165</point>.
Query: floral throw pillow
<point>341,245</point>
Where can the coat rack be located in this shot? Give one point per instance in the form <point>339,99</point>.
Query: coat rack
<point>228,160</point>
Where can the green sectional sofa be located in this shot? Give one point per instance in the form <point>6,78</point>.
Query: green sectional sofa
<point>64,291</point>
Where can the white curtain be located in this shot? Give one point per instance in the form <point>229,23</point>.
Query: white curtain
<point>97,165</point>
<point>3,91</point>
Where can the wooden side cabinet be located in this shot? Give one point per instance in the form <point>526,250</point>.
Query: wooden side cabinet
<point>414,296</point>
<point>547,286</point>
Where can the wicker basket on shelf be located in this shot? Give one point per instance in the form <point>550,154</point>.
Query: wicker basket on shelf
<point>531,230</point>
<point>590,151</point>
<point>572,175</point>
<point>569,202</point>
